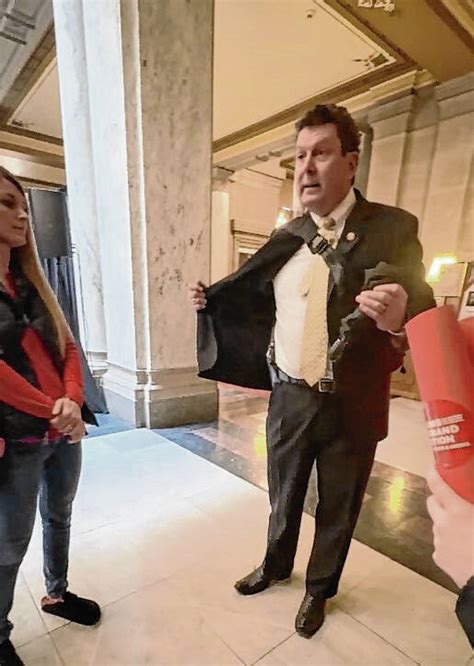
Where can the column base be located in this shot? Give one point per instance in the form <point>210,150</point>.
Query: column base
<point>97,363</point>
<point>160,399</point>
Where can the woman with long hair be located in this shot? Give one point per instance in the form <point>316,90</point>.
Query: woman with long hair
<point>41,420</point>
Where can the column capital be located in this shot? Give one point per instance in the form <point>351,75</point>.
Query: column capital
<point>456,97</point>
<point>221,176</point>
<point>361,119</point>
<point>392,117</point>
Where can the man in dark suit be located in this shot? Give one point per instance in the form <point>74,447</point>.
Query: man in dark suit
<point>270,324</point>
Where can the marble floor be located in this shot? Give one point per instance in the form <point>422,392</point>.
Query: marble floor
<point>394,520</point>
<point>160,533</point>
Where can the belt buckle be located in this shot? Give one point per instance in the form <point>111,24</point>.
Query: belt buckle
<point>326,385</point>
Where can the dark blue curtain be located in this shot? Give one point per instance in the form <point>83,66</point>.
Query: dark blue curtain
<point>59,271</point>
<point>49,214</point>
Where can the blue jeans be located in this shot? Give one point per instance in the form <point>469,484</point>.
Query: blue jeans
<point>51,470</point>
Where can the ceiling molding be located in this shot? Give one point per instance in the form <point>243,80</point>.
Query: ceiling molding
<point>334,95</point>
<point>432,33</point>
<point>20,131</point>
<point>29,75</point>
<point>44,184</point>
<point>289,165</point>
<point>45,52</point>
<point>446,12</point>
<point>18,141</point>
<point>32,154</point>
<point>348,11</point>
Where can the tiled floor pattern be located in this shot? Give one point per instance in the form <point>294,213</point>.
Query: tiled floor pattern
<point>107,425</point>
<point>394,520</point>
<point>159,537</point>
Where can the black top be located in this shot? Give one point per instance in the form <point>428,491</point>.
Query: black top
<point>465,609</point>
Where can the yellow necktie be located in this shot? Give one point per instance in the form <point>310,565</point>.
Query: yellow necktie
<point>315,287</point>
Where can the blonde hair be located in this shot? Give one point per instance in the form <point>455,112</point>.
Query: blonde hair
<point>28,261</point>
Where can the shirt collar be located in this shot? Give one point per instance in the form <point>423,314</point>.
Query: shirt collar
<point>341,212</point>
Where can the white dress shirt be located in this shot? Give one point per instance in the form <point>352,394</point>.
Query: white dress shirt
<point>290,305</point>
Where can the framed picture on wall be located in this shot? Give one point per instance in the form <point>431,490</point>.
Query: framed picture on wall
<point>450,287</point>
<point>467,305</point>
<point>245,244</point>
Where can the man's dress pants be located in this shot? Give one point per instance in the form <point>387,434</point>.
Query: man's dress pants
<point>304,426</point>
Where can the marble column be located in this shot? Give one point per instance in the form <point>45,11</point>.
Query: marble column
<point>221,233</point>
<point>71,62</point>
<point>296,206</point>
<point>447,224</point>
<point>151,134</point>
<point>419,150</point>
<point>363,169</point>
<point>254,201</point>
<point>389,123</point>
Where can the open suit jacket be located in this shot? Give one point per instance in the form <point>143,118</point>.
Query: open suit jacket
<point>234,330</point>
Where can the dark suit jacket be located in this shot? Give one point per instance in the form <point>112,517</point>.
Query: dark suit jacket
<point>234,330</point>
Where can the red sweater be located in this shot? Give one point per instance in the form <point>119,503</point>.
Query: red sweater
<point>20,394</point>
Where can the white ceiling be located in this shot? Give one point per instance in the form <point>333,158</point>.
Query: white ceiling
<point>41,108</point>
<point>14,55</point>
<point>268,56</point>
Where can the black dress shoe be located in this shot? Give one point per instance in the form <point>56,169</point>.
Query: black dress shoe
<point>8,655</point>
<point>257,581</point>
<point>310,615</point>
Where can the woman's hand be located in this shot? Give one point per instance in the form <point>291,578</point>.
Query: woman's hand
<point>67,419</point>
<point>453,535</point>
<point>77,433</point>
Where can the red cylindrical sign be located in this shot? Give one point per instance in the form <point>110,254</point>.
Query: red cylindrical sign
<point>445,376</point>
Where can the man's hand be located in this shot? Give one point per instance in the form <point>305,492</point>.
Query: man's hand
<point>453,530</point>
<point>67,419</point>
<point>386,304</point>
<point>197,295</point>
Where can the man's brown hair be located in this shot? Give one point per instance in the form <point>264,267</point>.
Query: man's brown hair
<point>323,114</point>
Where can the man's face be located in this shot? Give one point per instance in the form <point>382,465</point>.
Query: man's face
<point>323,174</point>
<point>13,215</point>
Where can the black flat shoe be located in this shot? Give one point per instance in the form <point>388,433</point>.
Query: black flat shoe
<point>310,616</point>
<point>8,655</point>
<point>257,581</point>
<point>74,608</point>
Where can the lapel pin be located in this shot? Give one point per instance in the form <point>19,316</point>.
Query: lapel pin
<point>350,236</point>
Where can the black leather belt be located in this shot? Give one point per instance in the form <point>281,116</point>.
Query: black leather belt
<point>322,386</point>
